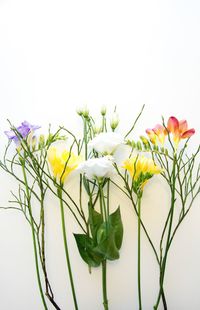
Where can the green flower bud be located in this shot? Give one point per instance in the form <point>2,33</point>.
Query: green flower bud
<point>83,111</point>
<point>33,143</point>
<point>97,129</point>
<point>139,145</point>
<point>103,110</point>
<point>145,141</point>
<point>41,141</point>
<point>114,122</point>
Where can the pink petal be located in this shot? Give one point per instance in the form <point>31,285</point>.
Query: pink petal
<point>148,131</point>
<point>188,133</point>
<point>159,129</point>
<point>173,125</point>
<point>152,135</point>
<point>183,126</point>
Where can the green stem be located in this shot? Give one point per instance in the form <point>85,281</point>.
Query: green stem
<point>33,236</point>
<point>104,273</point>
<point>104,285</point>
<point>85,137</point>
<point>66,247</point>
<point>139,253</point>
<point>108,196</point>
<point>164,261</point>
<point>103,203</point>
<point>49,292</point>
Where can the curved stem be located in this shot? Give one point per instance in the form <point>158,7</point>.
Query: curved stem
<point>66,248</point>
<point>135,122</point>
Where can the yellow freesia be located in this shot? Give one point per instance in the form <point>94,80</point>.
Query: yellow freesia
<point>141,169</point>
<point>62,163</point>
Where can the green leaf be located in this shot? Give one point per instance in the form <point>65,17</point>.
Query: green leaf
<point>116,222</point>
<point>95,221</point>
<point>86,185</point>
<point>85,246</point>
<point>107,245</point>
<point>109,237</point>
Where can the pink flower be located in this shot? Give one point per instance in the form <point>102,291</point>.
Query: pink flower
<point>158,133</point>
<point>179,129</point>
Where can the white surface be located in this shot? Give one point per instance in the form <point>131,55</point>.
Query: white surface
<point>57,55</point>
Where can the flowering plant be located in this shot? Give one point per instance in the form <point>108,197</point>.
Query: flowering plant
<point>43,164</point>
<point>179,170</point>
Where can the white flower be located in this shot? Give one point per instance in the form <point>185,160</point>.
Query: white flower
<point>97,168</point>
<point>106,142</point>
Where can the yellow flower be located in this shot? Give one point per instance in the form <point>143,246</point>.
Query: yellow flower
<point>62,163</point>
<point>141,170</point>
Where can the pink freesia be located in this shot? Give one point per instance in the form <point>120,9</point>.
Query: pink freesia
<point>173,125</point>
<point>158,133</point>
<point>179,129</point>
<point>152,135</point>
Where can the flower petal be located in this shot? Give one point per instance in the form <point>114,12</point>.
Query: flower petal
<point>188,133</point>
<point>183,126</point>
<point>173,125</point>
<point>152,135</point>
<point>161,133</point>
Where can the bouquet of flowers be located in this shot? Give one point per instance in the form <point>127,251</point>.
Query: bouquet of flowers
<point>44,163</point>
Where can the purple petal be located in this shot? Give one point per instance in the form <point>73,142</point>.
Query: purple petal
<point>28,125</point>
<point>10,134</point>
<point>24,129</point>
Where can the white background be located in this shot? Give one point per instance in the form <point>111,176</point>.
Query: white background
<point>57,55</point>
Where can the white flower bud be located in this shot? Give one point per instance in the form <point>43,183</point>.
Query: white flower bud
<point>97,129</point>
<point>103,110</point>
<point>114,121</point>
<point>83,111</point>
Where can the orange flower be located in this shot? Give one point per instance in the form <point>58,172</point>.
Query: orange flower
<point>179,129</point>
<point>158,133</point>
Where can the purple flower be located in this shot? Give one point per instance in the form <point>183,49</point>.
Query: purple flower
<point>24,129</point>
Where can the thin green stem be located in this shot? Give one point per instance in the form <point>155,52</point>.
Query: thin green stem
<point>103,203</point>
<point>33,236</point>
<point>104,285</point>
<point>66,248</point>
<point>108,196</point>
<point>85,137</point>
<point>104,273</point>
<point>164,261</point>
<point>49,292</point>
<point>139,253</point>
<point>135,122</point>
